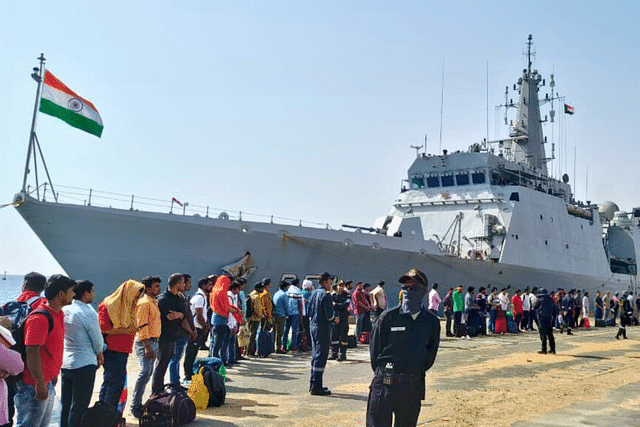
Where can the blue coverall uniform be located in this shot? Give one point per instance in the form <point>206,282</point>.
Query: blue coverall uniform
<point>320,317</point>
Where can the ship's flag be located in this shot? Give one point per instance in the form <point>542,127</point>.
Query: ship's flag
<point>568,109</point>
<point>177,201</point>
<point>61,102</point>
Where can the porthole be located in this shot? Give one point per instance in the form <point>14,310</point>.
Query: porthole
<point>546,242</point>
<point>540,217</point>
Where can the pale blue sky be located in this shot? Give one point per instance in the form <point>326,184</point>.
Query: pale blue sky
<point>303,110</point>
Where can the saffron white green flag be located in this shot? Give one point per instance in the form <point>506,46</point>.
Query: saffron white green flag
<point>59,101</point>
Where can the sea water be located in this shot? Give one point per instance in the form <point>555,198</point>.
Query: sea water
<point>10,288</point>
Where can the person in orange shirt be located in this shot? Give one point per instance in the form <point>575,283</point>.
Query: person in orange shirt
<point>221,311</point>
<point>146,344</point>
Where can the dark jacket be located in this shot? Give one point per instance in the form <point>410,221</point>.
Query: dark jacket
<point>545,307</point>
<point>410,345</point>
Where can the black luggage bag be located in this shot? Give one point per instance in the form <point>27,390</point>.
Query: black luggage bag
<point>173,408</point>
<point>101,414</point>
<point>215,385</point>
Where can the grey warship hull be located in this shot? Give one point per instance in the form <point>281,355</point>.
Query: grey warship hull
<point>109,246</point>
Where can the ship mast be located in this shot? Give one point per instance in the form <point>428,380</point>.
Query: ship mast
<point>528,123</point>
<point>37,75</point>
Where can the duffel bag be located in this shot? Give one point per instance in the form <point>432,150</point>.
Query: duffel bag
<point>100,414</point>
<point>173,408</point>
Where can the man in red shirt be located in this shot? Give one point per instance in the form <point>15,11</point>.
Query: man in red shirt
<point>516,300</point>
<point>44,341</point>
<point>32,287</point>
<point>361,307</point>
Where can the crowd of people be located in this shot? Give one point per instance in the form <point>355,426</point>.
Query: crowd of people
<point>498,312</point>
<point>65,337</point>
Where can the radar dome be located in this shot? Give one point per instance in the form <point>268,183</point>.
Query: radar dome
<point>608,209</point>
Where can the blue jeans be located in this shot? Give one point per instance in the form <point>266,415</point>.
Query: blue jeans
<point>492,320</point>
<point>174,364</point>
<point>220,338</point>
<point>115,374</point>
<point>32,412</point>
<point>146,370</point>
<point>229,349</point>
<point>292,323</point>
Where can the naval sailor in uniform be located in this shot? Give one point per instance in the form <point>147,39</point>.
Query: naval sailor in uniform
<point>404,343</point>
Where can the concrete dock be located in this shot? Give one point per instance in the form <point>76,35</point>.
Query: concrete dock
<point>593,380</point>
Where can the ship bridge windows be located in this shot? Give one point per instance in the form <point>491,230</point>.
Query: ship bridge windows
<point>478,177</point>
<point>433,181</point>
<point>462,178</point>
<point>417,182</point>
<point>447,180</point>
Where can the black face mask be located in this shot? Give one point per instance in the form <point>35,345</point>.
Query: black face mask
<point>412,299</point>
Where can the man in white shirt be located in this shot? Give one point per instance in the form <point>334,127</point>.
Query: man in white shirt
<point>504,300</point>
<point>199,303</point>
<point>526,309</point>
<point>434,300</point>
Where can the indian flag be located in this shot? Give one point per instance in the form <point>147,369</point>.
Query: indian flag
<point>61,102</point>
<point>568,109</point>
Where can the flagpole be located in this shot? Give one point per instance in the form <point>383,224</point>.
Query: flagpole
<point>38,78</point>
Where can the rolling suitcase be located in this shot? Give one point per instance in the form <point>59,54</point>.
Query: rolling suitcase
<point>265,343</point>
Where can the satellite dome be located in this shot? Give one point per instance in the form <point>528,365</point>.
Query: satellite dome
<point>608,209</point>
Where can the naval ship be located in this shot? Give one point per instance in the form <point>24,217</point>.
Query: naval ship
<point>488,216</point>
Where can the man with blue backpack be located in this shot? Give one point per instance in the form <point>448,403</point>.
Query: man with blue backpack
<point>16,312</point>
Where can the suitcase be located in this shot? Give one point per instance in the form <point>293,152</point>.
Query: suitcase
<point>351,341</point>
<point>461,330</point>
<point>363,338</point>
<point>501,326</point>
<point>600,323</point>
<point>265,343</point>
<point>303,341</point>
<point>102,415</point>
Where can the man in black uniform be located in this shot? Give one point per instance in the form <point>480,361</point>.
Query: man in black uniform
<point>546,310</point>
<point>404,343</point>
<point>340,330</point>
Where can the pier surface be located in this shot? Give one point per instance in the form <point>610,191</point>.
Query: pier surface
<point>593,380</point>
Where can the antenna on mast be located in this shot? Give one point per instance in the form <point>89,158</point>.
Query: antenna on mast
<point>529,53</point>
<point>441,105</point>
<point>417,147</point>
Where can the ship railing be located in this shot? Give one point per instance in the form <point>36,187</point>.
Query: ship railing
<point>106,199</point>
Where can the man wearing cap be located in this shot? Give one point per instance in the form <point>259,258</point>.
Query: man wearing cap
<point>404,344</point>
<point>320,317</point>
<point>546,310</point>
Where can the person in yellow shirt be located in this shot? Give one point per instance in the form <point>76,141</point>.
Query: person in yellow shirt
<point>255,314</point>
<point>267,304</point>
<point>146,345</point>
